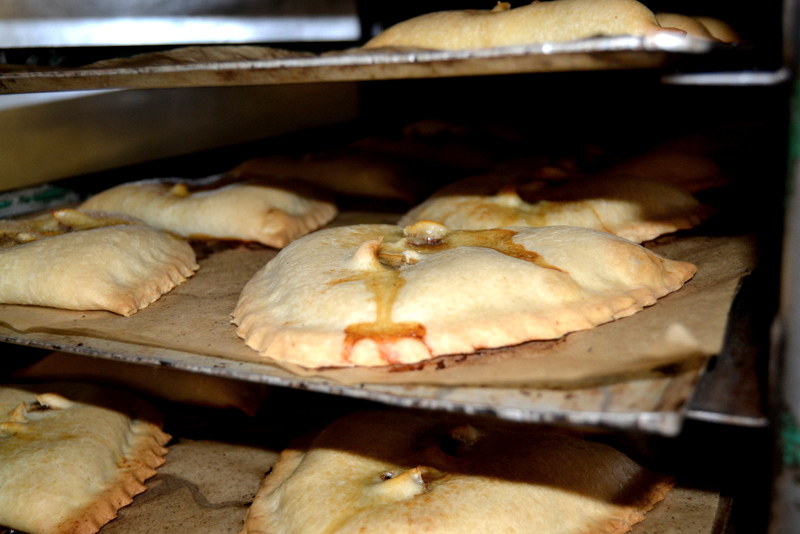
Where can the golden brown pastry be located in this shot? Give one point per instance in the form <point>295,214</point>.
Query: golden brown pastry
<point>702,27</point>
<point>273,215</point>
<point>398,473</point>
<point>373,295</point>
<point>72,455</point>
<point>79,260</point>
<point>633,208</point>
<point>538,22</point>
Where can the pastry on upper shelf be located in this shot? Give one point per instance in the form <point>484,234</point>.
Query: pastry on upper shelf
<point>271,213</point>
<point>377,295</point>
<point>71,455</point>
<point>538,22</point>
<point>79,260</point>
<point>703,27</point>
<point>633,208</point>
<point>401,473</point>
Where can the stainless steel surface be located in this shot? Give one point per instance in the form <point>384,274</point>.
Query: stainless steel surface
<point>613,406</point>
<point>736,369</point>
<point>665,347</point>
<point>66,23</point>
<point>76,9</point>
<point>738,78</point>
<point>606,53</point>
<point>47,137</point>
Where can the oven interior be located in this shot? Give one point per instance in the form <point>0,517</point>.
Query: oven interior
<point>736,99</point>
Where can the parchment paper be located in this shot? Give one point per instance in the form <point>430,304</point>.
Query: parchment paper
<point>687,326</point>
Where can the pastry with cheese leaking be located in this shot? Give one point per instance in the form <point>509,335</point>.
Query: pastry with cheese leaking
<point>401,473</point>
<point>377,295</point>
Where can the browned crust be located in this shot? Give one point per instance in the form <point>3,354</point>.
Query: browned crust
<point>640,493</point>
<point>147,452</point>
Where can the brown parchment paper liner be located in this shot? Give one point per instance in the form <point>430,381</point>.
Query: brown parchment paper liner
<point>687,326</point>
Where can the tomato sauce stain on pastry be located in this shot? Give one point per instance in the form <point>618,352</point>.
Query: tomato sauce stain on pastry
<point>378,295</point>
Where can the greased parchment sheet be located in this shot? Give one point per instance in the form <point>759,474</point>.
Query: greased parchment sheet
<point>635,372</point>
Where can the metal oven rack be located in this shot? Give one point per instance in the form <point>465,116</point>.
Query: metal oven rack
<point>739,367</point>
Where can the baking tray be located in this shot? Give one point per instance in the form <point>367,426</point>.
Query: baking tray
<point>261,65</point>
<point>207,486</point>
<point>217,461</point>
<point>190,329</point>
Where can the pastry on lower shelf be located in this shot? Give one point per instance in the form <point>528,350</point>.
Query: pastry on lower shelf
<point>80,260</point>
<point>71,455</point>
<point>633,208</point>
<point>400,473</point>
<point>376,295</point>
<point>537,22</point>
<point>273,214</point>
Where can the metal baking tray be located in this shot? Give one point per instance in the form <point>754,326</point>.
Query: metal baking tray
<point>180,331</point>
<point>185,483</point>
<point>608,406</point>
<point>261,65</point>
<point>217,461</point>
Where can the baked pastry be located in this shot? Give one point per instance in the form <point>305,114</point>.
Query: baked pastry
<point>375,295</point>
<point>399,473</point>
<point>633,208</point>
<point>702,27</point>
<point>690,25</point>
<point>538,22</point>
<point>72,455</point>
<point>273,214</point>
<point>79,260</point>
<point>720,30</point>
